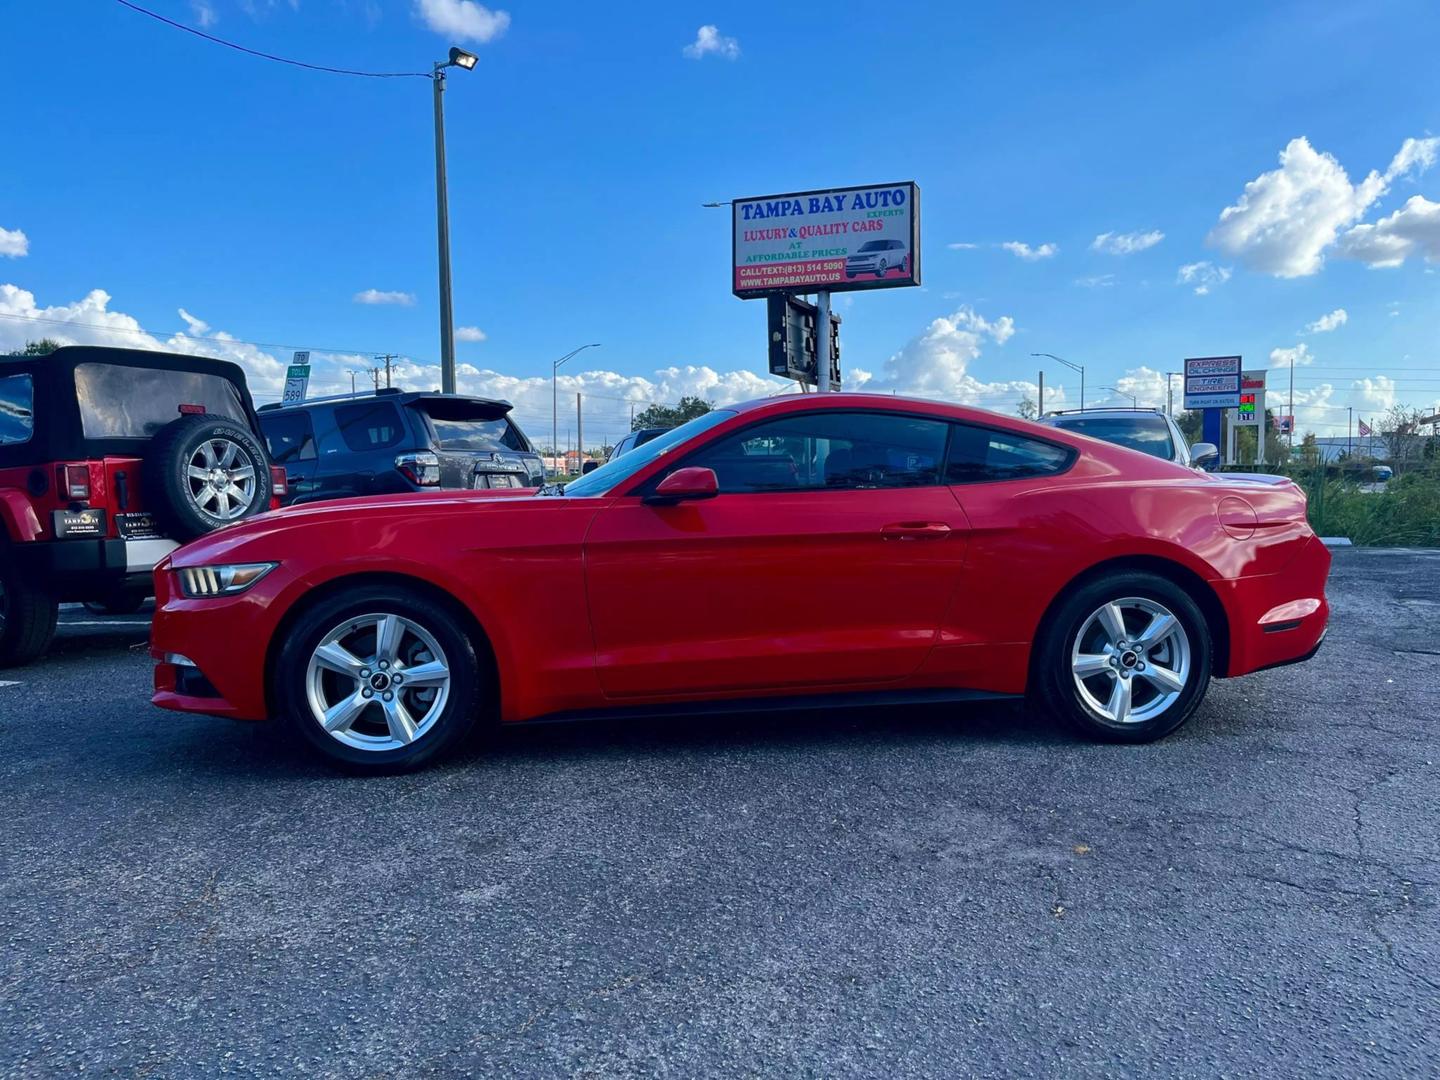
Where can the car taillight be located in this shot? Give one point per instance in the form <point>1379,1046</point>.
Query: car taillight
<point>279,482</point>
<point>77,482</point>
<point>421,469</point>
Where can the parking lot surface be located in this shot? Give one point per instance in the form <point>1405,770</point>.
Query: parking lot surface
<point>922,891</point>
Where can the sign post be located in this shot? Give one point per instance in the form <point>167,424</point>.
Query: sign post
<point>824,241</point>
<point>297,379</point>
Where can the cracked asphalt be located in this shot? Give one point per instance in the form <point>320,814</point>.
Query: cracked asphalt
<point>930,891</point>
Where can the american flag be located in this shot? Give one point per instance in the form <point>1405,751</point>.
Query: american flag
<point>1364,430</point>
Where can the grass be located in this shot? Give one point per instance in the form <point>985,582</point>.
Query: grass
<point>1406,513</point>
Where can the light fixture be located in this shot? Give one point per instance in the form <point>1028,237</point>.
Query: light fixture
<point>461,58</point>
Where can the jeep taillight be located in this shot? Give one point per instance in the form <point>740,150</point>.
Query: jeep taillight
<point>422,469</point>
<point>77,482</point>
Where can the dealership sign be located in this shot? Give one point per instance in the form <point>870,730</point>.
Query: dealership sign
<point>834,239</point>
<point>1212,382</point>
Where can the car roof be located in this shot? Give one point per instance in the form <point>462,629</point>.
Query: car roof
<point>66,358</point>
<point>399,397</point>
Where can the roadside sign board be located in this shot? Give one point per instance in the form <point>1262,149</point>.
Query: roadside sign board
<point>1285,425</point>
<point>1251,409</point>
<point>1212,382</point>
<point>834,239</point>
<point>297,379</point>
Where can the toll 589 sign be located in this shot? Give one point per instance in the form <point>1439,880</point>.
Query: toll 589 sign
<point>835,239</point>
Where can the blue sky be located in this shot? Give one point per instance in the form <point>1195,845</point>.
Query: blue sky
<point>174,174</point>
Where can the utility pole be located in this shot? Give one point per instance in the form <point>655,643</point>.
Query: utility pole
<point>579,436</point>
<point>1040,407</point>
<point>1349,432</point>
<point>387,357</point>
<point>461,59</point>
<point>822,341</point>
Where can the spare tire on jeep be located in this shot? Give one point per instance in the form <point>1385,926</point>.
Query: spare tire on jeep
<point>202,472</point>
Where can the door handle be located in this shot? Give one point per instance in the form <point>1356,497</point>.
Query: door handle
<point>915,530</point>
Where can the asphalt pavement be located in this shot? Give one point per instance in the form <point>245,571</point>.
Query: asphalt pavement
<point>929,891</point>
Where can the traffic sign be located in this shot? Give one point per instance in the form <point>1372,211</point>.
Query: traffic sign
<point>297,378</point>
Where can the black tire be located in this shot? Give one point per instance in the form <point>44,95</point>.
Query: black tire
<point>27,615</point>
<point>168,489</point>
<point>1054,688</point>
<point>119,603</point>
<point>881,269</point>
<point>291,691</point>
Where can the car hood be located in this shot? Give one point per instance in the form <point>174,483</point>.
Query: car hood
<point>219,544</point>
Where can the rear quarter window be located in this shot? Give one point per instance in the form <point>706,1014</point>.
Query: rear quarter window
<point>980,455</point>
<point>17,409</point>
<point>289,436</point>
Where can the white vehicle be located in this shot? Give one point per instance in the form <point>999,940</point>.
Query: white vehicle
<point>878,257</point>
<point>1148,430</point>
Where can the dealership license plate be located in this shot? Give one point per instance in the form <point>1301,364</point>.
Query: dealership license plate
<point>137,527</point>
<point>79,523</point>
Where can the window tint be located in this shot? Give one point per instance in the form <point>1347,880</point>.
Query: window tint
<point>370,425</point>
<point>289,436</point>
<point>849,450</point>
<point>1148,434</point>
<point>477,435</point>
<point>119,402</point>
<point>979,454</point>
<point>17,409</point>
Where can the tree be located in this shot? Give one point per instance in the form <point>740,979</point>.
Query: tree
<point>1190,425</point>
<point>1310,449</point>
<point>668,416</point>
<point>44,347</point>
<point>1027,410</point>
<point>1399,432</point>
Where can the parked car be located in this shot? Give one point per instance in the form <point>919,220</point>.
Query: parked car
<point>394,441</point>
<point>635,439</point>
<point>815,550</point>
<point>108,459</point>
<point>1150,431</point>
<point>878,257</point>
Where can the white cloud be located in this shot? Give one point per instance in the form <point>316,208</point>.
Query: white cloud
<point>1024,251</point>
<point>710,42</point>
<point>1323,325</point>
<point>204,11</point>
<point>379,296</point>
<point>1146,386</point>
<point>1286,218</point>
<point>1414,229</point>
<point>1126,243</point>
<point>464,20</point>
<point>14,243</point>
<point>962,246</point>
<point>1376,394</point>
<point>1299,356</point>
<point>1203,276</point>
<point>469,333</point>
<point>1097,281</point>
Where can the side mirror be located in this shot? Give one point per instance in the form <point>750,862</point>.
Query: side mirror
<point>590,466</point>
<point>694,482</point>
<point>1204,455</point>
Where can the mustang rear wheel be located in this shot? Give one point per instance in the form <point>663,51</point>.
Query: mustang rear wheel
<point>379,679</point>
<point>1126,658</point>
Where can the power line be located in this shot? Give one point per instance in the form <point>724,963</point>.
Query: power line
<point>270,56</point>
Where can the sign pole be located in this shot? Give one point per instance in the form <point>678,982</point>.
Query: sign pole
<point>822,341</point>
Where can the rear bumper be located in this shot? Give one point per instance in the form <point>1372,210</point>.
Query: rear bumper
<point>1278,619</point>
<point>90,569</point>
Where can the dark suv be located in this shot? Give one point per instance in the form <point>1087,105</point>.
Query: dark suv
<point>109,459</point>
<point>394,441</point>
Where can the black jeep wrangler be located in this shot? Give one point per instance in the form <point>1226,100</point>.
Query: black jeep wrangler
<point>109,459</point>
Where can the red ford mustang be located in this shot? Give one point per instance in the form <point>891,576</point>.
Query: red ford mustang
<point>800,550</point>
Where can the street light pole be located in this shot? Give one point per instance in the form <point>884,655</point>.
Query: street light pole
<point>458,58</point>
<point>1073,367</point>
<point>1134,401</point>
<point>555,394</point>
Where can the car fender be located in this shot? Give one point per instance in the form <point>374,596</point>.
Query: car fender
<point>18,516</point>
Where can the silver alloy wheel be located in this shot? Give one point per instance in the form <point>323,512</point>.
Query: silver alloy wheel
<point>1130,660</point>
<point>222,479</point>
<point>377,682</point>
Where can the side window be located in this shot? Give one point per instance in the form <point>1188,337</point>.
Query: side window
<point>980,454</point>
<point>370,425</point>
<point>289,436</point>
<point>830,450</point>
<point>17,409</point>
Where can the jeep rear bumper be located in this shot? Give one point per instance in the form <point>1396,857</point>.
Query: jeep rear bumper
<point>75,570</point>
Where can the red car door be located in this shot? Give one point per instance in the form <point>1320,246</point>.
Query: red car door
<point>827,559</point>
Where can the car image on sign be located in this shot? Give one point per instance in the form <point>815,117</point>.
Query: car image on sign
<point>811,550</point>
<point>878,257</point>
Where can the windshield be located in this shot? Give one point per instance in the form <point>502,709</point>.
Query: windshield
<point>873,245</point>
<point>1148,434</point>
<point>619,469</point>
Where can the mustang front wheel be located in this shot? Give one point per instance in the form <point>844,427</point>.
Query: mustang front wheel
<point>1126,659</point>
<point>379,679</point>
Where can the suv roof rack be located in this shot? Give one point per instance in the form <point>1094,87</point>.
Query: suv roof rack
<point>1108,408</point>
<point>383,392</point>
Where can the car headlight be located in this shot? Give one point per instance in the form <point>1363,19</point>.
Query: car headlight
<point>202,582</point>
